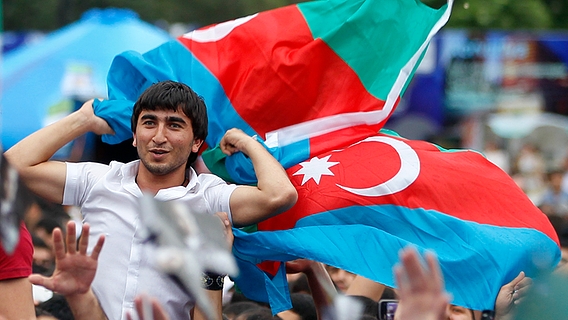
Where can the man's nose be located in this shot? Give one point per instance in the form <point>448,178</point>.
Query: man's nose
<point>160,135</point>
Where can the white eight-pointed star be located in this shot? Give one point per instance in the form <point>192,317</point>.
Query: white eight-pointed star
<point>315,168</point>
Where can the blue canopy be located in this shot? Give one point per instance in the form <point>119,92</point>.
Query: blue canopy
<point>42,81</point>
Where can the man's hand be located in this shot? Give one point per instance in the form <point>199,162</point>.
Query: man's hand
<point>421,290</point>
<point>510,295</point>
<point>96,125</point>
<point>148,309</point>
<point>228,228</point>
<point>236,140</point>
<point>74,270</point>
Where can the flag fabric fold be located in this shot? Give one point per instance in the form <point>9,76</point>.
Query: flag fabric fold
<point>358,206</point>
<point>291,73</point>
<point>315,82</point>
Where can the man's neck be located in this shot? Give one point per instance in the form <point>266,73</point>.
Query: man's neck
<point>151,183</point>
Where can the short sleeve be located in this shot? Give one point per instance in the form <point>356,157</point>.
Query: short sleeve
<point>19,264</point>
<point>81,177</point>
<point>218,196</point>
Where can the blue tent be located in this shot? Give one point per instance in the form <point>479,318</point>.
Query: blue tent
<point>42,82</point>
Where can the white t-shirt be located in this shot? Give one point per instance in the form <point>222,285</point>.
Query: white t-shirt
<point>109,199</point>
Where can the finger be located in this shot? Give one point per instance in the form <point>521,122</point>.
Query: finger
<point>401,280</point>
<point>129,316</point>
<point>159,313</point>
<point>147,313</point>
<point>517,279</point>
<point>98,247</point>
<point>40,280</point>
<point>58,245</point>
<point>71,237</point>
<point>435,270</point>
<point>519,293</point>
<point>413,267</point>
<point>139,307</point>
<point>526,282</point>
<point>84,240</point>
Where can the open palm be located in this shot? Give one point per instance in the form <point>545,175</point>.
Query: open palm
<point>74,269</point>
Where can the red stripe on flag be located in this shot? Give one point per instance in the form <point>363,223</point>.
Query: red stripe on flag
<point>271,68</point>
<point>462,184</point>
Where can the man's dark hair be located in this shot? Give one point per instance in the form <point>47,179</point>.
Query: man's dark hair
<point>236,308</point>
<point>303,304</point>
<point>171,95</point>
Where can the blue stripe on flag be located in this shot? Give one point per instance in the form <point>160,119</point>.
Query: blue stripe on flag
<point>131,73</point>
<point>476,259</point>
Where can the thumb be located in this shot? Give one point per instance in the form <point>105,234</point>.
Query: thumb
<point>517,279</point>
<point>40,280</point>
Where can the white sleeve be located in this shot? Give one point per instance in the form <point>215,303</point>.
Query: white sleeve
<point>80,178</point>
<point>218,196</point>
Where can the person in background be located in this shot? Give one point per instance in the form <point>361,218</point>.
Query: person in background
<point>342,279</point>
<point>554,201</point>
<point>16,300</point>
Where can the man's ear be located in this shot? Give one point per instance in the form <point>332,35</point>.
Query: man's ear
<point>196,145</point>
<point>134,140</point>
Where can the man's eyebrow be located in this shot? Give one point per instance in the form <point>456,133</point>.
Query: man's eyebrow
<point>148,116</point>
<point>175,119</point>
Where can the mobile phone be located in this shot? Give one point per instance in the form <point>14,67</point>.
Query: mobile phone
<point>387,307</point>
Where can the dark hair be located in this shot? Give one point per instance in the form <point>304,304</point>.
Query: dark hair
<point>171,95</point>
<point>370,306</point>
<point>236,308</point>
<point>303,304</point>
<point>48,224</point>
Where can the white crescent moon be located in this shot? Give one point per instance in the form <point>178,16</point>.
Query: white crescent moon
<point>409,170</point>
<point>217,32</point>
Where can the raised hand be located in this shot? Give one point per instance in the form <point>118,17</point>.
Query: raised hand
<point>421,290</point>
<point>148,309</point>
<point>235,140</point>
<point>96,124</point>
<point>511,294</point>
<point>74,270</point>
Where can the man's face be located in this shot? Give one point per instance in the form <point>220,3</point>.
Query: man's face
<point>341,278</point>
<point>164,139</point>
<point>459,313</point>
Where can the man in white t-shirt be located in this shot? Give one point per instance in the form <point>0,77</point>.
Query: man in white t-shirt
<point>169,125</point>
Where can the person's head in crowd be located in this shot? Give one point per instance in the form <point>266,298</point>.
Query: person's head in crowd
<point>342,279</point>
<point>389,293</point>
<point>260,313</point>
<point>300,284</point>
<point>303,308</point>
<point>234,309</point>
<point>44,229</point>
<point>177,97</point>
<point>57,307</point>
<point>43,258</point>
<point>460,313</point>
<point>554,178</point>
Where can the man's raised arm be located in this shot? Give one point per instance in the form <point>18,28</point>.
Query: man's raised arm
<point>274,192</point>
<point>30,156</point>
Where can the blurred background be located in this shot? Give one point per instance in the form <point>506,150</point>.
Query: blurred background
<point>495,79</point>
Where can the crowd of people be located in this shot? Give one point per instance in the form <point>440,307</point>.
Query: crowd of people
<point>169,125</point>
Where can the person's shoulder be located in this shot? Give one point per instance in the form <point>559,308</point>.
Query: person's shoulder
<point>211,179</point>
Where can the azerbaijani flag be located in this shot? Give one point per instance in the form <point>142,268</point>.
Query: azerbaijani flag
<point>317,81</point>
<point>359,205</point>
<point>287,74</point>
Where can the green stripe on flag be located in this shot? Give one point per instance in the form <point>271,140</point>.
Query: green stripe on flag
<point>376,38</point>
